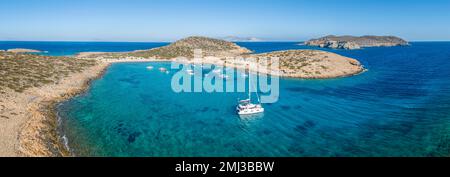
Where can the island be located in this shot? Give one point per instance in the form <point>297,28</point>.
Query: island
<point>353,42</point>
<point>20,50</point>
<point>31,85</point>
<point>241,39</point>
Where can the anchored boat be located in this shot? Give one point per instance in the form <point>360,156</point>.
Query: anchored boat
<point>246,107</point>
<point>190,72</point>
<point>162,69</point>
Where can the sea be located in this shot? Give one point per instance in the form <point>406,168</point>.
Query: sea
<point>399,107</point>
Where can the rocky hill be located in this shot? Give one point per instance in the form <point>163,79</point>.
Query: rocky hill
<point>182,48</point>
<point>353,42</point>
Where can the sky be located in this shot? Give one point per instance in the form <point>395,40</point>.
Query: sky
<point>271,20</point>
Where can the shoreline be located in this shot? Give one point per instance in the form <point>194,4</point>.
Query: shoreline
<point>246,65</point>
<point>40,135</point>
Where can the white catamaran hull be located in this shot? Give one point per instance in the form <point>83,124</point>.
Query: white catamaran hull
<point>247,112</point>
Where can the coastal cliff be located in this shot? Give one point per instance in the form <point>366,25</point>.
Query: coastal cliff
<point>353,42</point>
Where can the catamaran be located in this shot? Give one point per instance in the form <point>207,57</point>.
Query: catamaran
<point>246,107</point>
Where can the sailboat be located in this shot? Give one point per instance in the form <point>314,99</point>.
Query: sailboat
<point>246,107</point>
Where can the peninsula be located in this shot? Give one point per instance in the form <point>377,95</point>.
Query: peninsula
<point>352,42</point>
<point>306,64</point>
<point>29,85</point>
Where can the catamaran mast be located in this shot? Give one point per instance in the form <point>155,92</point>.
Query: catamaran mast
<point>249,87</point>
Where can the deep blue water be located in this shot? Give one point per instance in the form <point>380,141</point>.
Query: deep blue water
<point>72,48</point>
<point>399,107</point>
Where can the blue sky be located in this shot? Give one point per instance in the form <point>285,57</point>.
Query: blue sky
<point>168,20</point>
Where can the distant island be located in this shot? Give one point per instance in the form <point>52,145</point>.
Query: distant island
<point>353,42</point>
<point>241,39</point>
<point>293,63</point>
<point>20,50</point>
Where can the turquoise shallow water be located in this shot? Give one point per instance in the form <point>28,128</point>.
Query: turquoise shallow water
<point>400,107</point>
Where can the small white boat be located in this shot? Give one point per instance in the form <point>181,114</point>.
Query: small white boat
<point>223,76</point>
<point>217,71</point>
<point>149,67</point>
<point>190,72</point>
<point>163,69</point>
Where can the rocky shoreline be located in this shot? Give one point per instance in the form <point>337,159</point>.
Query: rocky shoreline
<point>34,131</point>
<point>38,136</point>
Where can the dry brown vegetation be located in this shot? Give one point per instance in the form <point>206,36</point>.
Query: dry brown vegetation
<point>182,48</point>
<point>19,72</point>
<point>313,63</point>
